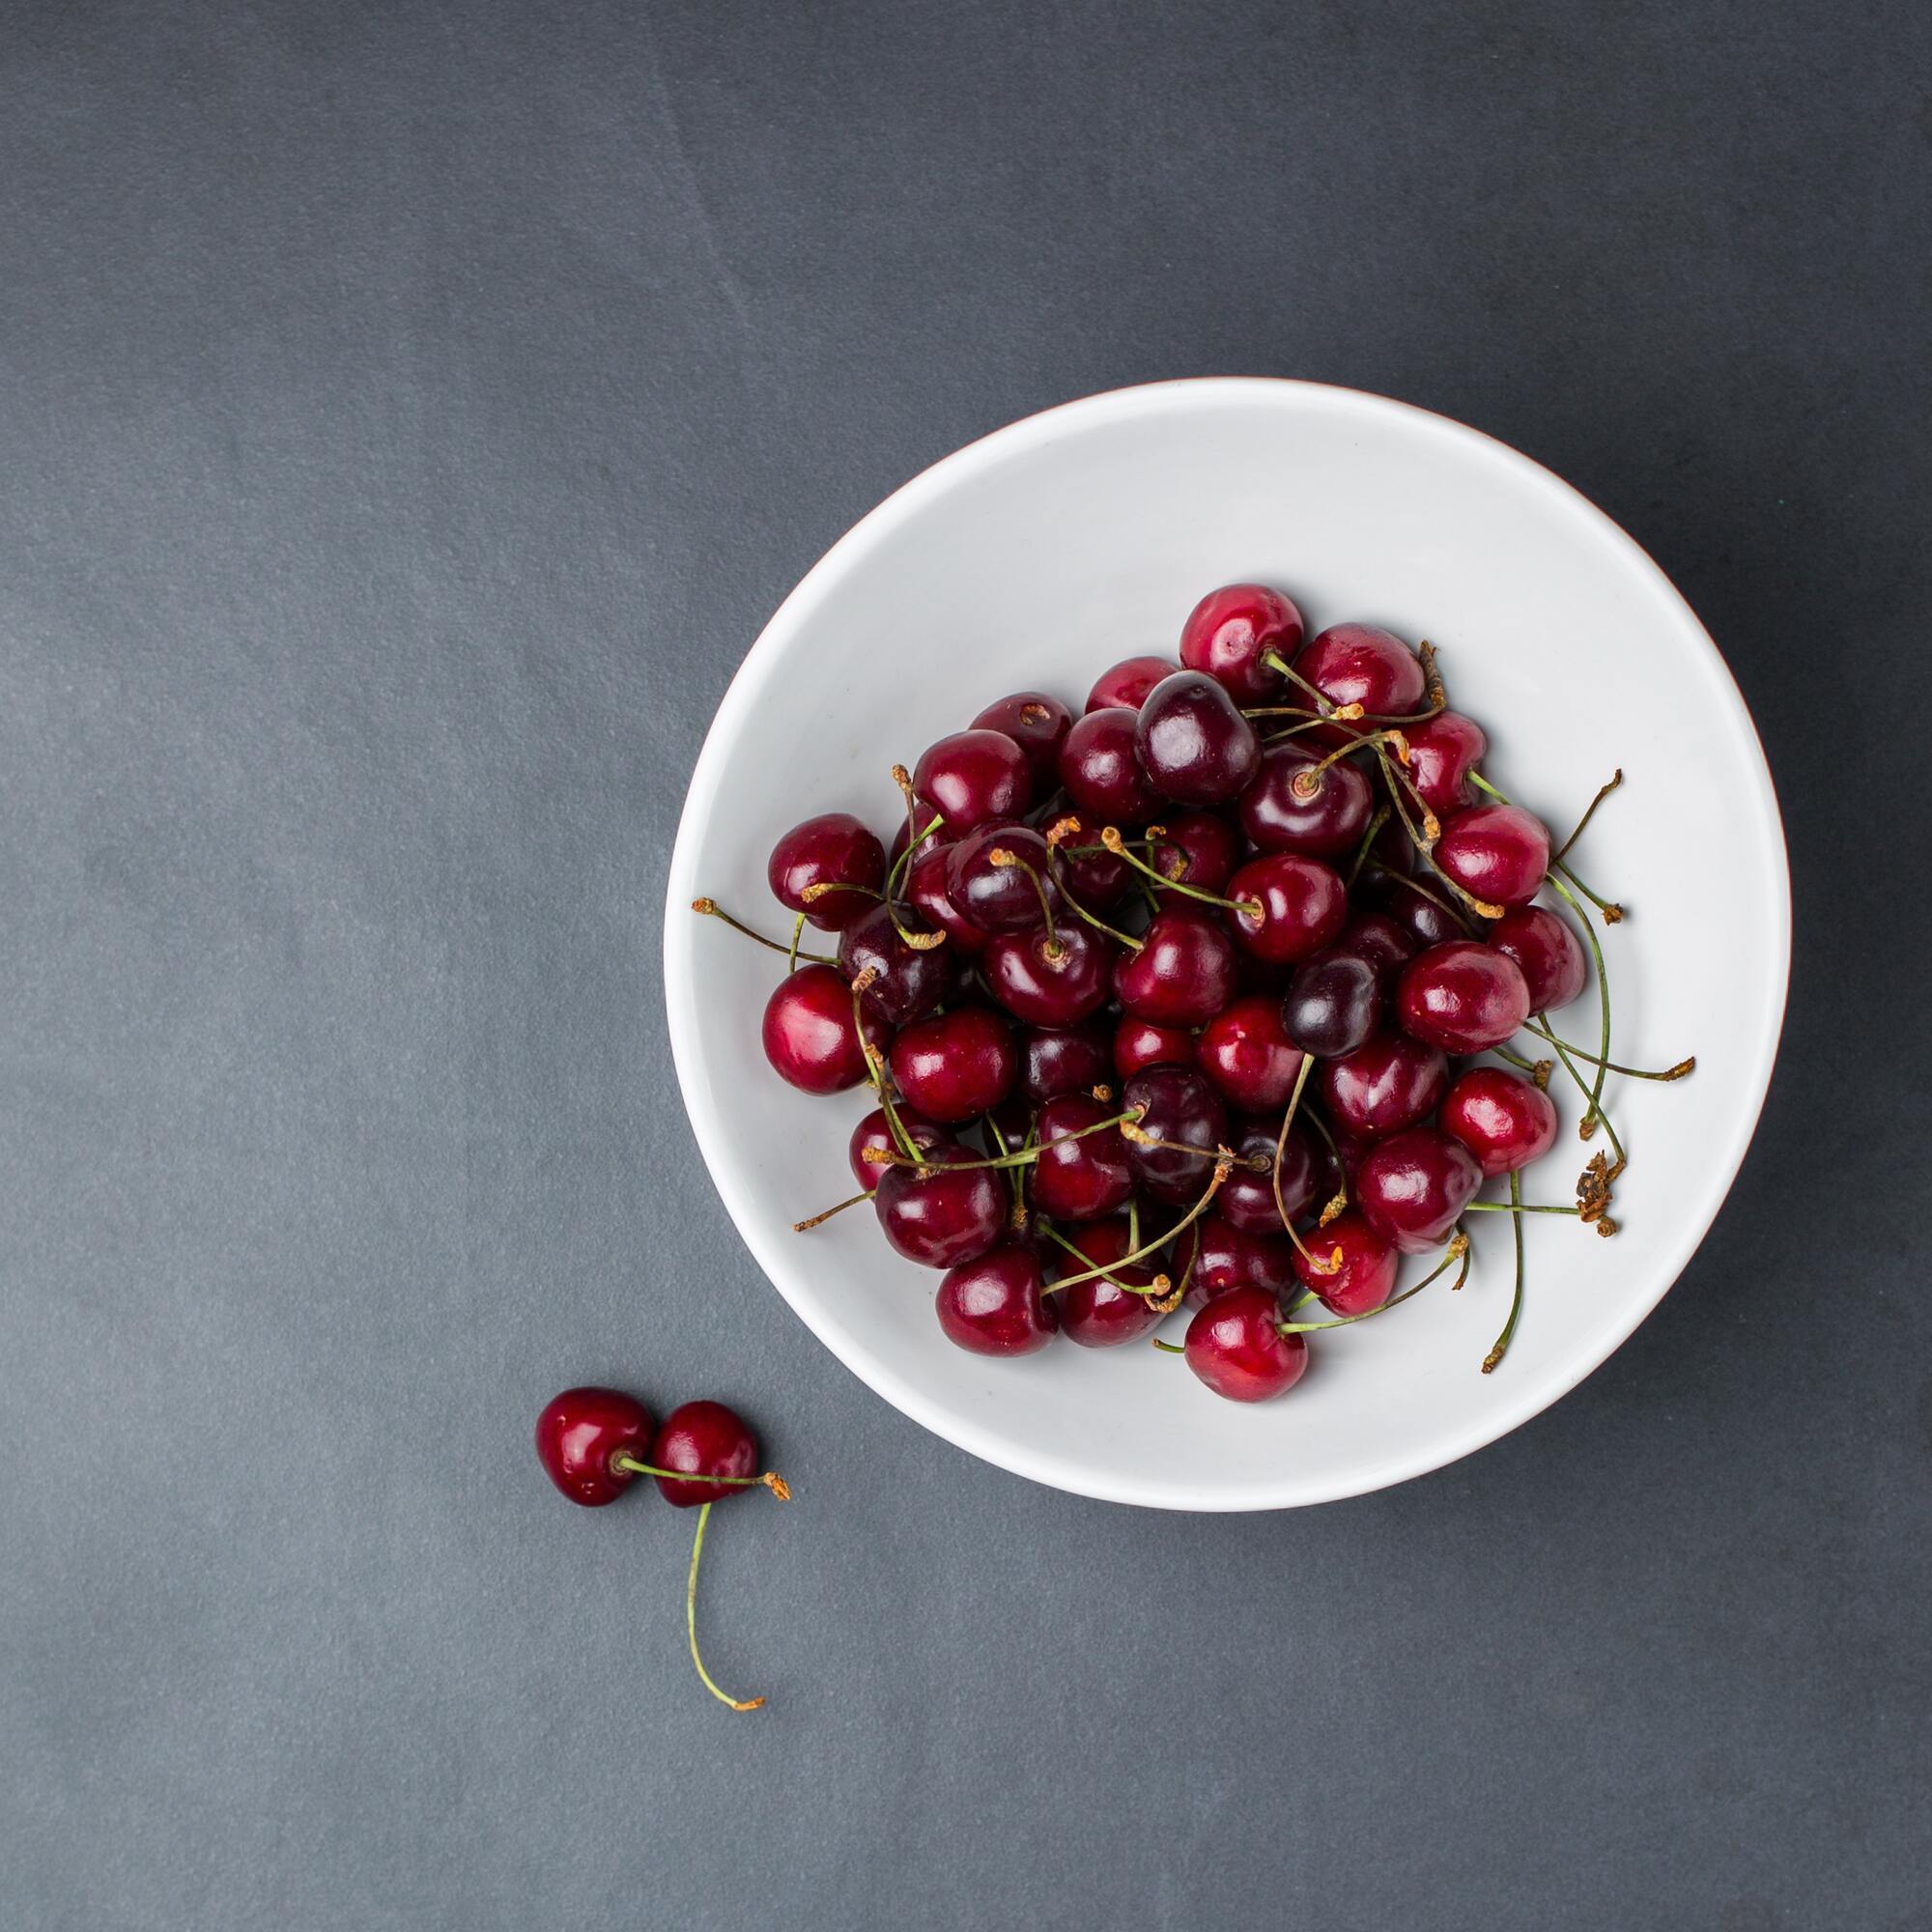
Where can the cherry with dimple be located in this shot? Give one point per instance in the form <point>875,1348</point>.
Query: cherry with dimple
<point>1180,1121</point>
<point>580,1430</point>
<point>926,887</point>
<point>1384,1085</point>
<point>1064,1059</point>
<point>1231,633</point>
<point>1139,1042</point>
<point>1037,725</point>
<point>1247,1052</point>
<point>874,1135</point>
<point>1196,850</point>
<point>1105,1310</point>
<point>1361,663</point>
<point>1354,1269</point>
<point>1248,1196</point>
<point>907,983</point>
<point>1049,978</point>
<point>1213,1254</point>
<point>1084,868</point>
<point>995,876</point>
<point>1296,805</point>
<point>1302,904</point>
<point>1442,751</point>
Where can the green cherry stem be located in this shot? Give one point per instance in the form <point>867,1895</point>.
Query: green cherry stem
<point>1109,837</point>
<point>770,1480</point>
<point>1603,1002</point>
<point>1495,1354</point>
<point>1023,1157</point>
<point>1376,824</point>
<point>797,933</point>
<point>690,1621</point>
<point>1515,1205</point>
<point>812,1221</point>
<point>1315,1262</point>
<point>1677,1072</point>
<point>711,909</point>
<point>1160,1288</point>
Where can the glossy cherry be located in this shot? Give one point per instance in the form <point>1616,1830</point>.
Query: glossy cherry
<point>1049,980</point>
<point>874,1133</point>
<point>1360,664</point>
<point>927,887</point>
<point>834,849</point>
<point>1127,683</point>
<point>1231,629</point>
<point>973,777</point>
<point>580,1431</point>
<point>1501,1117</point>
<point>1184,971</point>
<point>1082,1172</point>
<point>1066,1060</point>
<point>1195,746</point>
<point>1547,952</point>
<point>1213,1254</point>
<point>1101,770</point>
<point>997,1305</point>
<point>1365,1265</point>
<point>1247,1053</point>
<point>1178,1108</point>
<point>1496,853</point>
<point>1106,1312</point>
<point>1037,724</point>
<point>1083,866</point>
<point>1414,1186</point>
<point>1326,818</point>
<point>1235,1346</point>
<point>1247,1197</point>
<point>809,1033</point>
<point>1442,751</point>
<point>957,1065</point>
<point>1420,907</point>
<point>1334,1003</point>
<point>1384,1085</point>
<point>1139,1042</point>
<point>995,877</point>
<point>948,1213</point>
<point>1198,848</point>
<point>1377,938</point>
<point>704,1440</point>
<point>1462,996</point>
<point>907,983</point>
<point>1303,902</point>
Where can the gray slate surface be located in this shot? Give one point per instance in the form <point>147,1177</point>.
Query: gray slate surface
<point>408,412</point>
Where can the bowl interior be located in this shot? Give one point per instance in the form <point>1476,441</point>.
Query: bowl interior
<point>1036,559</point>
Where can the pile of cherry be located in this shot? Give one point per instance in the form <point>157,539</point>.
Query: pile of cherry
<point>1162,1004</point>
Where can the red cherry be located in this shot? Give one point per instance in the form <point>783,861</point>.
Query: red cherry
<point>1503,1120</point>
<point>1231,629</point>
<point>1127,683</point>
<point>1083,866</point>
<point>1196,850</point>
<point>996,1305</point>
<point>1377,938</point>
<point>1364,1278</point>
<point>995,877</point>
<point>1064,1059</point>
<point>833,849</point>
<point>1333,1004</point>
<point>926,887</point>
<point>580,1431</point>
<point>1383,1087</point>
<point>1442,751</point>
<point>1193,744</point>
<point>1247,1197</point>
<point>1176,1107</point>
<point>1235,1346</point>
<point>972,776</point>
<point>1246,1051</point>
<point>1048,980</point>
<point>1328,820</point>
<point>932,841</point>
<point>1101,770</point>
<point>1414,1186</point>
<point>1303,903</point>
<point>1184,971</point>
<point>1103,1313</point>
<point>956,1065</point>
<point>1079,1180</point>
<point>1548,951</point>
<point>1139,1042</point>
<point>809,1035</point>
<point>1358,664</point>
<point>1037,724</point>
<point>1213,1254</point>
<point>702,1441</point>
<point>1496,853</point>
<point>1421,909</point>
<point>875,1134</point>
<point>1462,996</point>
<point>951,1213</point>
<point>907,983</point>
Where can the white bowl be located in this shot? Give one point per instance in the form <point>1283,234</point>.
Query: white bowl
<point>1041,554</point>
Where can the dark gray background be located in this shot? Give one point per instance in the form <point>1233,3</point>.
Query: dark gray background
<point>409,413</point>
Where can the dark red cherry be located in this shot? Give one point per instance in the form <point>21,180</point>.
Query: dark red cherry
<point>1247,1053</point>
<point>809,1035</point>
<point>972,776</point>
<point>1377,938</point>
<point>702,1441</point>
<point>1247,1196</point>
<point>1547,952</point>
<point>1101,770</point>
<point>1196,849</point>
<point>1334,1003</point>
<point>1364,1266</point>
<point>1414,1186</point>
<point>1231,629</point>
<point>1194,745</point>
<point>1303,901</point>
<point>1462,996</point>
<point>1066,1060</point>
<point>1213,1254</point>
<point>907,983</point>
<point>1383,1087</point>
<point>996,1306</point>
<point>1083,866</point>
<point>1504,1120</point>
<point>1037,724</point>
<point>873,1133</point>
<point>1051,981</point>
<point>995,877</point>
<point>950,1213</point>
<point>957,1065</point>
<point>1326,819</point>
<point>1235,1346</point>
<point>1359,663</point>
<point>932,841</point>
<point>833,849</point>
<point>580,1431</point>
<point>1420,908</point>
<point>1105,1312</point>
<point>1496,853</point>
<point>1139,1042</point>
<point>1080,1175</point>
<point>926,887</point>
<point>1127,683</point>
<point>1184,971</point>
<point>1442,751</point>
<point>1176,1107</point>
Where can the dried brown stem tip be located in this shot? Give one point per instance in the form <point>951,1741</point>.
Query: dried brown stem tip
<point>778,1485</point>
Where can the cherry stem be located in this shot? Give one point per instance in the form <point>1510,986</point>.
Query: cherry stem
<point>1515,1204</point>
<point>770,1480</point>
<point>1424,842</point>
<point>1585,1129</point>
<point>1306,783</point>
<point>1160,1287</point>
<point>1025,1157</point>
<point>1001,856</point>
<point>1459,1250</point>
<point>690,1621</point>
<point>797,933</point>
<point>1334,1261</point>
<point>1325,708</point>
<point>1433,690</point>
<point>711,909</point>
<point>1338,1200</point>
<point>1376,824</point>
<point>1495,1354</point>
<point>1109,837</point>
<point>812,1221</point>
<point>1168,1348</point>
<point>1613,913</point>
<point>1676,1073</point>
<point>1590,811</point>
